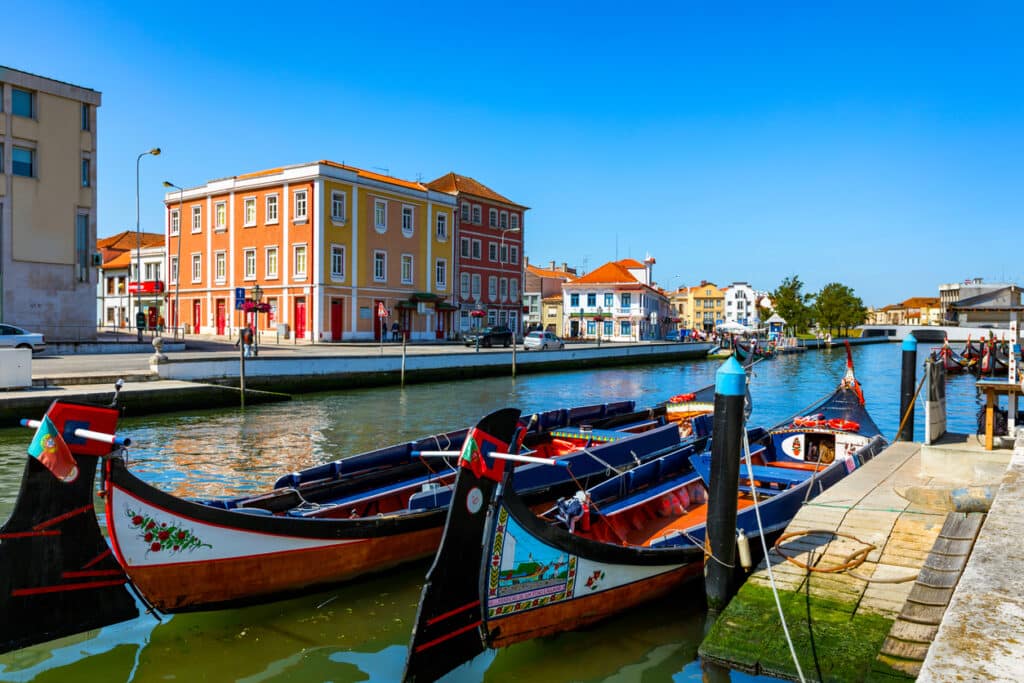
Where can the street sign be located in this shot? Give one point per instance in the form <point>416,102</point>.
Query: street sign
<point>239,298</point>
<point>381,311</point>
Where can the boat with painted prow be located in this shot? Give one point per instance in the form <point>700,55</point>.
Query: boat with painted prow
<point>511,575</point>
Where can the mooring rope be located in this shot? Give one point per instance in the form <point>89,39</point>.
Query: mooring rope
<point>848,563</point>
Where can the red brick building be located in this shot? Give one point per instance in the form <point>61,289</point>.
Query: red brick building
<point>488,273</point>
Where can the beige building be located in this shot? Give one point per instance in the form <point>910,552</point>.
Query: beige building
<point>47,205</point>
<point>551,314</point>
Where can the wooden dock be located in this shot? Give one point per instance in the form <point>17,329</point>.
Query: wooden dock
<point>876,620</point>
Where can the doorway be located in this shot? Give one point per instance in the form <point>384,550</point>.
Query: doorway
<point>300,318</point>
<point>197,311</point>
<point>221,316</point>
<point>336,319</point>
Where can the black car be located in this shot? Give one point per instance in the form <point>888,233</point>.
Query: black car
<point>490,336</point>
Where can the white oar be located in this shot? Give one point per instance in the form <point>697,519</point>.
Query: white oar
<point>111,439</point>
<point>515,457</point>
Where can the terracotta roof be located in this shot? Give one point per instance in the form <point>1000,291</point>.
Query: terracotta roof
<point>630,263</point>
<point>453,183</point>
<point>122,260</point>
<point>609,272</point>
<point>553,298</point>
<point>921,302</point>
<point>543,272</point>
<point>361,172</point>
<point>126,240</point>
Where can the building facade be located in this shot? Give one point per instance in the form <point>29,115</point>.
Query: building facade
<point>540,284</point>
<point>705,306</point>
<point>48,205</point>
<point>336,251</point>
<point>741,304</point>
<point>119,293</point>
<point>616,302</point>
<point>489,236</point>
<point>551,315</point>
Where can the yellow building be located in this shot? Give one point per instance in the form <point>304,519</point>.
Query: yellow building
<point>48,205</point>
<point>551,314</point>
<point>705,307</point>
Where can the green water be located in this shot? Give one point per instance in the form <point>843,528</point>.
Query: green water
<point>359,632</point>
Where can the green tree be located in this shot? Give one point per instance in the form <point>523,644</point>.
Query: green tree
<point>792,303</point>
<point>837,307</point>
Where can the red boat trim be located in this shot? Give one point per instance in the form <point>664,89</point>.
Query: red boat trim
<point>89,573</point>
<point>60,518</point>
<point>105,554</point>
<point>441,617</point>
<point>449,636</point>
<point>21,592</point>
<point>25,534</point>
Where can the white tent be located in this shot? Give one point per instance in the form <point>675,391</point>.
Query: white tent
<point>730,326</point>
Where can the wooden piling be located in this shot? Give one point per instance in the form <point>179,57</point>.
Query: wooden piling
<point>908,380</point>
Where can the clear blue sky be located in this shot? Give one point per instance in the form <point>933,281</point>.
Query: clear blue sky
<point>876,144</point>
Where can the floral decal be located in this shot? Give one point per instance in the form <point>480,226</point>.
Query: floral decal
<point>159,537</point>
<point>594,580</point>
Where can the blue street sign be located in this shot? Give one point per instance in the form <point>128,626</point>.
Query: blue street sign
<point>239,298</point>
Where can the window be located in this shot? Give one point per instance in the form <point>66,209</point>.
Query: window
<point>250,264</point>
<point>271,263</point>
<point>626,300</point>
<point>591,327</point>
<point>249,213</point>
<point>503,220</point>
<point>504,253</point>
<point>338,261</point>
<point>82,246</point>
<point>406,269</point>
<point>300,261</point>
<point>464,285</point>
<point>271,208</point>
<point>503,289</point>
<point>197,267</point>
<point>407,225</point>
<point>299,213</point>
<point>513,290</point>
<point>476,286</point>
<point>515,221</point>
<point>220,269</point>
<point>380,215</point>
<point>492,218</point>
<point>574,300</point>
<point>220,214</point>
<point>514,251</point>
<point>197,218</point>
<point>624,328</point>
<point>591,300</point>
<point>608,300</point>
<point>23,162</point>
<point>85,117</point>
<point>442,226</point>
<point>86,172</point>
<point>23,103</point>
<point>175,222</point>
<point>465,212</point>
<point>608,329</point>
<point>477,246</point>
<point>149,271</point>
<point>464,247</point>
<point>380,266</point>
<point>492,252</point>
<point>492,318</point>
<point>338,206</point>
<point>492,288</point>
<point>476,213</point>
<point>173,268</point>
<point>441,273</point>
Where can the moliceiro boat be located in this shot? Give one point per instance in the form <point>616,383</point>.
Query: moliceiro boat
<point>317,527</point>
<point>504,573</point>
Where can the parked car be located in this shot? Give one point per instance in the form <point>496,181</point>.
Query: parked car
<point>490,336</point>
<point>542,341</point>
<point>17,338</point>
<point>672,335</point>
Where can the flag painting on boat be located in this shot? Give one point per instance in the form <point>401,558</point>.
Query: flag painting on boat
<point>49,448</point>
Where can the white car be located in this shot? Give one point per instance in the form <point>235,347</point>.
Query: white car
<point>17,338</point>
<point>542,340</point>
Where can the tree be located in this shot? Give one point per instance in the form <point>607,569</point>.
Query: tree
<point>836,306</point>
<point>792,304</point>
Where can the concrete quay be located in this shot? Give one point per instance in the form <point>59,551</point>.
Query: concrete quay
<point>887,618</point>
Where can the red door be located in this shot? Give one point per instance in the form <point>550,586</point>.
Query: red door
<point>336,319</point>
<point>221,316</point>
<point>197,310</point>
<point>300,318</point>
<point>378,321</point>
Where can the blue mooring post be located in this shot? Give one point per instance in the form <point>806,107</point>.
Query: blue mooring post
<point>730,388</point>
<point>907,381</point>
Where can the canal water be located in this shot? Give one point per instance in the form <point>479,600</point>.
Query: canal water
<point>359,632</point>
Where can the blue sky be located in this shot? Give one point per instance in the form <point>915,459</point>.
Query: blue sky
<point>875,144</point>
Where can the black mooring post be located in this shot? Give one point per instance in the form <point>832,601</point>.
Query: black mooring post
<point>908,380</point>
<point>730,385</point>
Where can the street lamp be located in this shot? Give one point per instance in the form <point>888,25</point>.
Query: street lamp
<point>257,295</point>
<point>138,246</point>
<point>177,262</point>
<point>600,321</point>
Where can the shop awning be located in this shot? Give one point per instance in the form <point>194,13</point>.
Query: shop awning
<point>424,296</point>
<point>445,306</point>
<point>405,304</point>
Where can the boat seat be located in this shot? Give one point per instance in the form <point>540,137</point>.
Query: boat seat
<point>761,491</point>
<point>648,494</point>
<point>591,435</point>
<point>259,512</point>
<point>431,499</point>
<point>774,475</point>
<point>363,496</point>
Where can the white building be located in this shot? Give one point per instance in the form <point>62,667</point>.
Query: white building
<point>616,302</point>
<point>741,304</point>
<point>118,294</point>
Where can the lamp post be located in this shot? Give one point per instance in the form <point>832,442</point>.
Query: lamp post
<point>177,263</point>
<point>138,246</point>
<point>257,295</point>
<point>599,320</point>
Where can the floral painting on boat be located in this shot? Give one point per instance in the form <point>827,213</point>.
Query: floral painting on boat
<point>161,537</point>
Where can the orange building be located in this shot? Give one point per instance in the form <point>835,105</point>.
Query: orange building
<point>329,246</point>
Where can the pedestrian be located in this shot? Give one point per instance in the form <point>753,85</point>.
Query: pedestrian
<point>245,338</point>
<point>160,325</point>
<point>395,330</point>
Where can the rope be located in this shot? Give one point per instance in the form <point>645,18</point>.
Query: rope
<point>848,563</point>
<point>910,408</point>
<point>764,547</point>
<point>596,508</point>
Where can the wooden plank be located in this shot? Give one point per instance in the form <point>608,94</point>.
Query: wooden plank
<point>961,526</point>
<point>952,547</point>
<point>921,614</point>
<point>934,578</point>
<point>904,649</point>
<point>912,632</point>
<point>930,596</point>
<point>947,563</point>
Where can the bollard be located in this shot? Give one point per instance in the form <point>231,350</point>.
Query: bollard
<point>241,369</point>
<point>726,438</point>
<point>908,380</point>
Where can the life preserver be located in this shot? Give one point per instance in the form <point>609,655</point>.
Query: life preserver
<point>839,424</point>
<point>682,398</point>
<point>810,421</point>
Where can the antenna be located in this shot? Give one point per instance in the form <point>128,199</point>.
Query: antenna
<point>387,171</point>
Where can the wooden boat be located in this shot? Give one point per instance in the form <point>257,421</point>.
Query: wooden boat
<point>747,353</point>
<point>318,527</point>
<point>952,361</point>
<point>993,361</point>
<point>971,350</point>
<point>504,574</point>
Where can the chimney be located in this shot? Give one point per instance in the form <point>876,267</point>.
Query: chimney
<point>526,260</point>
<point>552,266</point>
<point>565,267</point>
